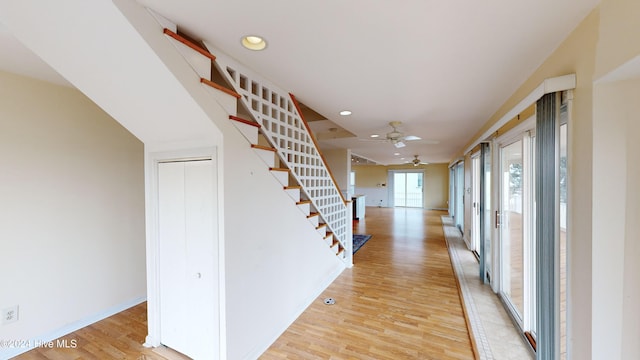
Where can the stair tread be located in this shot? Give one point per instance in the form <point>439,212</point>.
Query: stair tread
<point>312,215</point>
<point>256,146</point>
<point>320,226</point>
<point>244,121</point>
<point>220,87</point>
<point>190,44</point>
<point>278,169</point>
<point>292,187</point>
<point>302,202</point>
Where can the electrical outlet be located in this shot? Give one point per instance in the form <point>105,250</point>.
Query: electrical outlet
<point>10,315</point>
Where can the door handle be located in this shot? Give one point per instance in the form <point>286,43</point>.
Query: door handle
<point>497,219</point>
<point>198,275</point>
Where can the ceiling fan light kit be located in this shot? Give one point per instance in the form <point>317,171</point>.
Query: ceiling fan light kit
<point>417,161</point>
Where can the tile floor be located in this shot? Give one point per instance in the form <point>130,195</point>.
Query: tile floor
<point>495,335</point>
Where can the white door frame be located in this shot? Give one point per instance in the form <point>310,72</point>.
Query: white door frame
<point>153,245</point>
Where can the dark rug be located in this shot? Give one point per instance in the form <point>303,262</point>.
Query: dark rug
<point>359,240</point>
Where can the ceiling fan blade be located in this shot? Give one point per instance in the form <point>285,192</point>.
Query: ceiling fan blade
<point>411,137</point>
<point>374,140</point>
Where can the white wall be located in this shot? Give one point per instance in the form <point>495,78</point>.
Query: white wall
<point>276,263</point>
<point>72,215</point>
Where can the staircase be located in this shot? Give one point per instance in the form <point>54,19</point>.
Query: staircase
<point>275,129</point>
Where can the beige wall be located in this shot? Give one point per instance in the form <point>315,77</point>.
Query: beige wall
<point>72,228</point>
<point>374,178</point>
<point>339,161</point>
<point>616,219</point>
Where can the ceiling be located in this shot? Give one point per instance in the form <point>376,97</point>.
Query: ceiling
<point>442,68</point>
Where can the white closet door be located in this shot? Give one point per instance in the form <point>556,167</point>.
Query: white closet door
<point>188,256</point>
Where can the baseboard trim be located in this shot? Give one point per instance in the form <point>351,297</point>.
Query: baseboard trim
<point>67,329</point>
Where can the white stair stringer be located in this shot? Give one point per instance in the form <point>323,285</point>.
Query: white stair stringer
<point>276,111</point>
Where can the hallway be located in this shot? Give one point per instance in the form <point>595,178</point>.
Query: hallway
<point>399,301</point>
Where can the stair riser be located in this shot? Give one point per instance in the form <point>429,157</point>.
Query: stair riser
<point>200,63</point>
<point>329,240</point>
<point>294,194</point>
<point>248,131</point>
<point>281,176</point>
<point>269,157</point>
<point>314,220</point>
<point>322,231</point>
<point>305,208</point>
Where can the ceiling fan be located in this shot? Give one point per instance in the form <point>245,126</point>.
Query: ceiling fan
<point>417,161</point>
<point>397,137</point>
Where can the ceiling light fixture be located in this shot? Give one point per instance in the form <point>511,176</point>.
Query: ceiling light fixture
<point>253,42</point>
<point>345,112</point>
<point>375,135</point>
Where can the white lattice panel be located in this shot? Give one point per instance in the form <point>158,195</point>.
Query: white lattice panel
<point>281,123</point>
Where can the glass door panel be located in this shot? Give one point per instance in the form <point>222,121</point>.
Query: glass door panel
<point>475,206</point>
<point>486,201</point>
<point>407,189</point>
<point>511,229</point>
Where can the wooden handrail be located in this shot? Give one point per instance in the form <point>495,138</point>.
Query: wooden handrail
<point>220,87</point>
<point>190,44</point>
<point>315,142</point>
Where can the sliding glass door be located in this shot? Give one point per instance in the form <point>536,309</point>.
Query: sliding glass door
<point>408,189</point>
<point>517,251</point>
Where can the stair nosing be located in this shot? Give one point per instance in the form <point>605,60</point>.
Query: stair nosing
<point>279,169</point>
<point>261,147</point>
<point>244,121</point>
<point>189,43</point>
<point>220,87</point>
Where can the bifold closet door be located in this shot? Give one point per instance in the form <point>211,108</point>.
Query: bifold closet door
<point>188,257</point>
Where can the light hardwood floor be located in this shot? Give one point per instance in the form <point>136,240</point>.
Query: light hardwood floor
<point>399,301</point>
<point>117,337</point>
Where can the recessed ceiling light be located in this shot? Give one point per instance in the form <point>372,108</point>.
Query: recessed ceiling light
<point>375,135</point>
<point>253,42</point>
<point>345,112</point>
<point>396,154</point>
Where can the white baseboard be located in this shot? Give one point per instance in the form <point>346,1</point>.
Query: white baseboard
<point>65,330</point>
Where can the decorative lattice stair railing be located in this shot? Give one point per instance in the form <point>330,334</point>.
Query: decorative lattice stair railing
<point>286,130</point>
